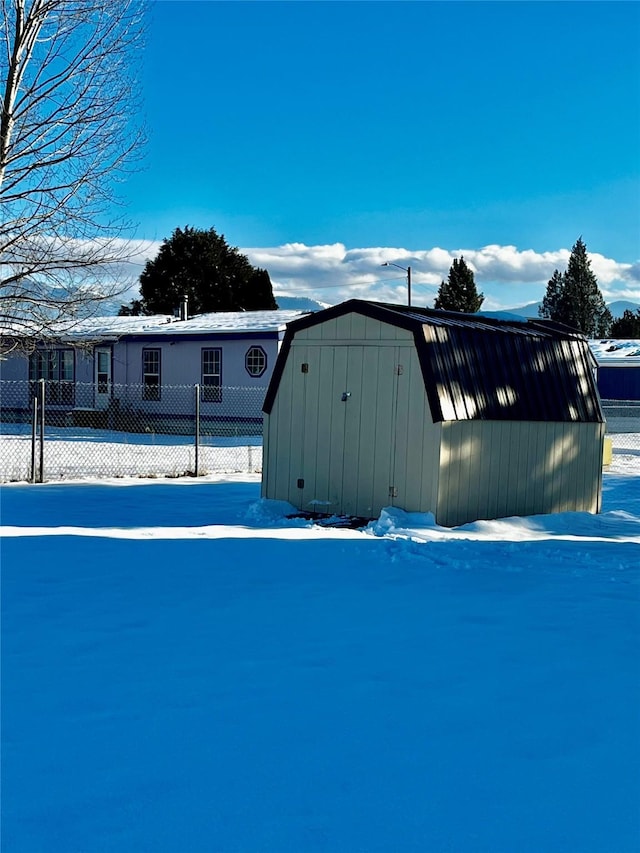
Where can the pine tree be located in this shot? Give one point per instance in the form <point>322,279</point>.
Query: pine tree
<point>257,295</point>
<point>552,303</point>
<point>133,309</point>
<point>200,265</point>
<point>584,304</point>
<point>574,298</point>
<point>459,292</point>
<point>627,326</point>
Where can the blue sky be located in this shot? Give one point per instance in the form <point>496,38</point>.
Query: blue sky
<point>325,137</point>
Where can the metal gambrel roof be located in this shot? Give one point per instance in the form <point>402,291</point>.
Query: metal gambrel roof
<point>483,368</point>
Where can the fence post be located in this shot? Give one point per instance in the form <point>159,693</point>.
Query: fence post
<point>197,437</point>
<point>34,437</point>
<point>42,393</point>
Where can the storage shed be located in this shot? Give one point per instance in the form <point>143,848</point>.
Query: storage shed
<point>461,415</point>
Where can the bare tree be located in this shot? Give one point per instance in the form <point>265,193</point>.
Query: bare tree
<point>70,129</point>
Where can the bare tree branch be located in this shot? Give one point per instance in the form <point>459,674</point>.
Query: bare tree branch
<point>69,131</point>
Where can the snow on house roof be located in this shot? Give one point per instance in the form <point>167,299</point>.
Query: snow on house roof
<point>234,321</point>
<point>616,353</point>
<point>223,322</point>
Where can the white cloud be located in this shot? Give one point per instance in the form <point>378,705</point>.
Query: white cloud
<point>608,270</point>
<point>331,273</point>
<point>507,264</point>
<point>509,277</point>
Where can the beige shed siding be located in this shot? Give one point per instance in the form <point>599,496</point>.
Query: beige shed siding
<point>276,434</point>
<point>417,440</point>
<point>269,453</point>
<point>267,468</point>
<point>334,431</point>
<point>347,468</point>
<point>354,424</point>
<point>360,465</point>
<point>494,469</point>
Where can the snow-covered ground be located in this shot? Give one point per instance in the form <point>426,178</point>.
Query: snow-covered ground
<point>184,669</point>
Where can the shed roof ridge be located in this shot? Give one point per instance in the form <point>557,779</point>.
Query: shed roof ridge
<point>412,317</point>
<point>480,368</point>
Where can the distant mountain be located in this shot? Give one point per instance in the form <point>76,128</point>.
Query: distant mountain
<point>617,308</point>
<point>530,310</point>
<point>286,303</point>
<point>299,303</point>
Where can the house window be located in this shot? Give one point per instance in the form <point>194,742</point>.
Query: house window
<point>103,370</point>
<point>150,374</point>
<point>211,385</point>
<point>255,361</point>
<point>56,367</point>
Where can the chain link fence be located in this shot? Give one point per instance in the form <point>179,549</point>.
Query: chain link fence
<point>623,416</point>
<point>57,430</point>
<point>623,428</point>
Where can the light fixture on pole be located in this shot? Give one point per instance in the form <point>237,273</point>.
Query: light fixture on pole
<point>408,272</point>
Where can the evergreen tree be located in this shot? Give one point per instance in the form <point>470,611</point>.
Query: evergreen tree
<point>257,295</point>
<point>627,326</point>
<point>459,292</point>
<point>200,265</point>
<point>552,303</point>
<point>133,309</point>
<point>575,299</point>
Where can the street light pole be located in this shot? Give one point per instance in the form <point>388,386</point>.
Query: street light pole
<point>408,272</point>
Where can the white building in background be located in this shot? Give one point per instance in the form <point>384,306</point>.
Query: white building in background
<point>141,363</point>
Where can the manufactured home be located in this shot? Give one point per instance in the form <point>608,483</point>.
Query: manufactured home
<point>618,368</point>
<point>460,415</point>
<point>148,366</point>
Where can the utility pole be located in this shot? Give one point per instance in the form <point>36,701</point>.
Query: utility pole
<point>408,272</point>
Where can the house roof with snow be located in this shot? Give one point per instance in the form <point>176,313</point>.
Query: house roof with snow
<point>481,367</point>
<point>215,323</point>
<point>616,353</point>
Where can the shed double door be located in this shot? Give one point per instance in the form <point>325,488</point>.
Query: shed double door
<point>348,431</point>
